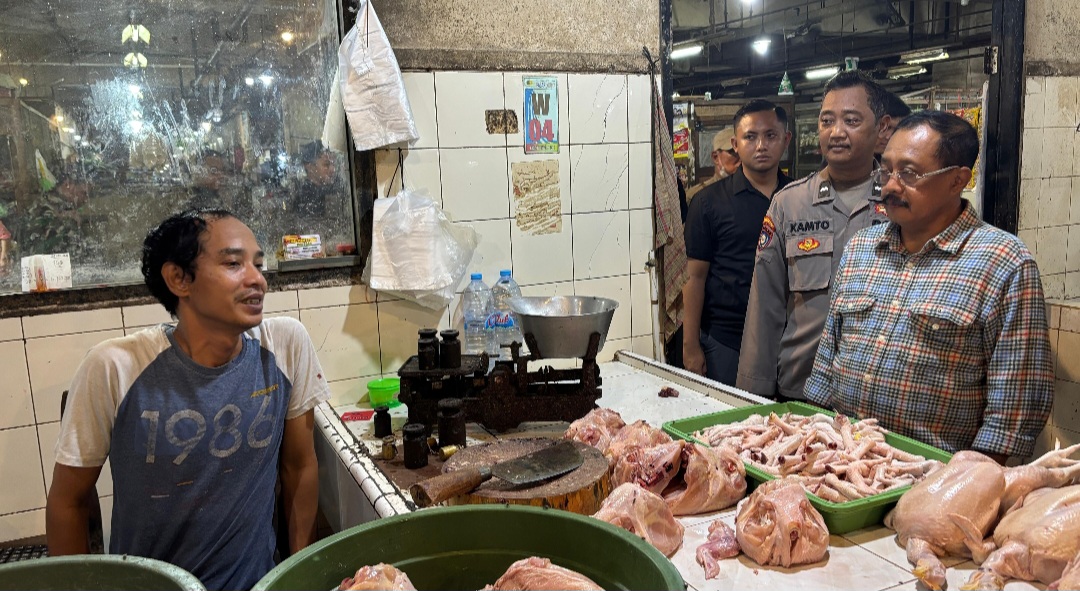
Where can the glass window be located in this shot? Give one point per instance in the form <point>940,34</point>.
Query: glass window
<point>115,114</point>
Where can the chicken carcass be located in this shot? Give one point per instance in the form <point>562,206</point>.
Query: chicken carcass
<point>777,525</point>
<point>1070,577</point>
<point>713,479</point>
<point>596,428</point>
<point>380,576</point>
<point>539,574</point>
<point>1053,469</point>
<point>1034,541</point>
<point>952,511</point>
<point>643,514</point>
<point>636,434</point>
<point>651,467</point>
<point>720,544</point>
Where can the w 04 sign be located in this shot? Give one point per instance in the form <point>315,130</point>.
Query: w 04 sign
<point>541,114</point>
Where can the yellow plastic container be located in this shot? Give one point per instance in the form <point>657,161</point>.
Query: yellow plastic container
<point>383,392</point>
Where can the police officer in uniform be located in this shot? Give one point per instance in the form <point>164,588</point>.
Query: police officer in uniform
<point>802,237</point>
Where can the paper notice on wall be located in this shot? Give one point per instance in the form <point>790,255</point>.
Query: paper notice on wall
<point>541,114</point>
<point>537,196</point>
<point>42,272</point>
<point>305,246</point>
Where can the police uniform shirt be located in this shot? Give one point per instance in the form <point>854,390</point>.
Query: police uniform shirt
<point>799,247</point>
<point>722,228</point>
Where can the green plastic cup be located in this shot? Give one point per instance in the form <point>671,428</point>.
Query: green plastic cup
<point>383,392</point>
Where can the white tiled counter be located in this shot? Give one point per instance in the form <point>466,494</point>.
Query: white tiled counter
<point>868,559</point>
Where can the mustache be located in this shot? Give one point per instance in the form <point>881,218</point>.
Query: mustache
<point>894,200</point>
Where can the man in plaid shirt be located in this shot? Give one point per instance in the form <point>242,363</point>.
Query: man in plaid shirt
<point>937,324</point>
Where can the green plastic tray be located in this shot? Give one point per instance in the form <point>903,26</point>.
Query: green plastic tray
<point>839,517</point>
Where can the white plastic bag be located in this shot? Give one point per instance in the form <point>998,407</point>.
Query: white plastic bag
<point>372,90</point>
<point>416,252</point>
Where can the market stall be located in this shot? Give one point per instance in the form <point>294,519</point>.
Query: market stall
<point>868,558</point>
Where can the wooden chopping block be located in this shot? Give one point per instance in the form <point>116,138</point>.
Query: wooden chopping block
<point>579,491</point>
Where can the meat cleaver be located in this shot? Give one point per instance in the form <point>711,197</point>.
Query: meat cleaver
<point>533,467</point>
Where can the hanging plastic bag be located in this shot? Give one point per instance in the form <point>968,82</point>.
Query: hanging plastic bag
<point>416,252</point>
<point>372,90</point>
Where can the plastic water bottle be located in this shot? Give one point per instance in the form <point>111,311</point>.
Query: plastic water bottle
<point>501,322</point>
<point>476,307</point>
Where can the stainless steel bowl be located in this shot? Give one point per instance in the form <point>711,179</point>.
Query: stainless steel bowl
<point>562,324</point>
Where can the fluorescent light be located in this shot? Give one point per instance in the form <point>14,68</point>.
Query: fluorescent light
<point>287,37</point>
<point>929,55</point>
<point>822,72</point>
<point>249,80</point>
<point>905,71</point>
<point>687,50</point>
<point>23,81</point>
<point>266,79</point>
<point>59,118</point>
<point>136,125</point>
<point>761,46</point>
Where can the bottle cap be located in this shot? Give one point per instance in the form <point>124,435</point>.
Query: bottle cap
<point>504,273</point>
<point>476,276</point>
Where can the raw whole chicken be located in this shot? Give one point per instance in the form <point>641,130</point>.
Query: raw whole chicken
<point>720,544</point>
<point>951,511</point>
<point>651,467</point>
<point>381,576</point>
<point>1070,578</point>
<point>777,525</point>
<point>596,428</point>
<point>1053,469</point>
<point>539,574</point>
<point>643,514</point>
<point>636,434</point>
<point>934,517</point>
<point>713,479</point>
<point>1034,541</point>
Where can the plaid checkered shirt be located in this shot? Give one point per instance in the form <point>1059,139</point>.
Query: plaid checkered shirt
<point>948,345</point>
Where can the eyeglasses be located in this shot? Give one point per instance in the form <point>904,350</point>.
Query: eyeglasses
<point>907,178</point>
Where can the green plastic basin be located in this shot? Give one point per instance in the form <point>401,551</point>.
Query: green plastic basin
<point>383,392</point>
<point>97,572</point>
<point>467,547</point>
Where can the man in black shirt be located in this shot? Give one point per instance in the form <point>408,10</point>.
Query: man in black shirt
<point>723,226</point>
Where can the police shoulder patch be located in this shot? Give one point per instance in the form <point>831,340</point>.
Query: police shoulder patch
<point>768,230</point>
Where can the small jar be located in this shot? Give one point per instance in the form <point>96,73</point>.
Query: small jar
<point>389,448</point>
<point>446,452</point>
<point>382,422</point>
<point>450,350</point>
<point>427,353</point>
<point>451,422</point>
<point>427,348</point>
<point>414,444</point>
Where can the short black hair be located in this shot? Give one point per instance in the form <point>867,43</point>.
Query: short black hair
<point>176,240</point>
<point>311,151</point>
<point>876,96</point>
<point>758,106</point>
<point>958,143</point>
<point>895,106</point>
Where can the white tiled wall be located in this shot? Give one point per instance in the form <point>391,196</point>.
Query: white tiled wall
<point>1063,428</point>
<point>358,334</point>
<point>605,175</point>
<point>1049,220</point>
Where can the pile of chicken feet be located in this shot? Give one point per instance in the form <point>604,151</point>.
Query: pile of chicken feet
<point>831,457</point>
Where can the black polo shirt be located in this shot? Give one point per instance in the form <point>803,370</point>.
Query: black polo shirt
<point>722,227</point>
